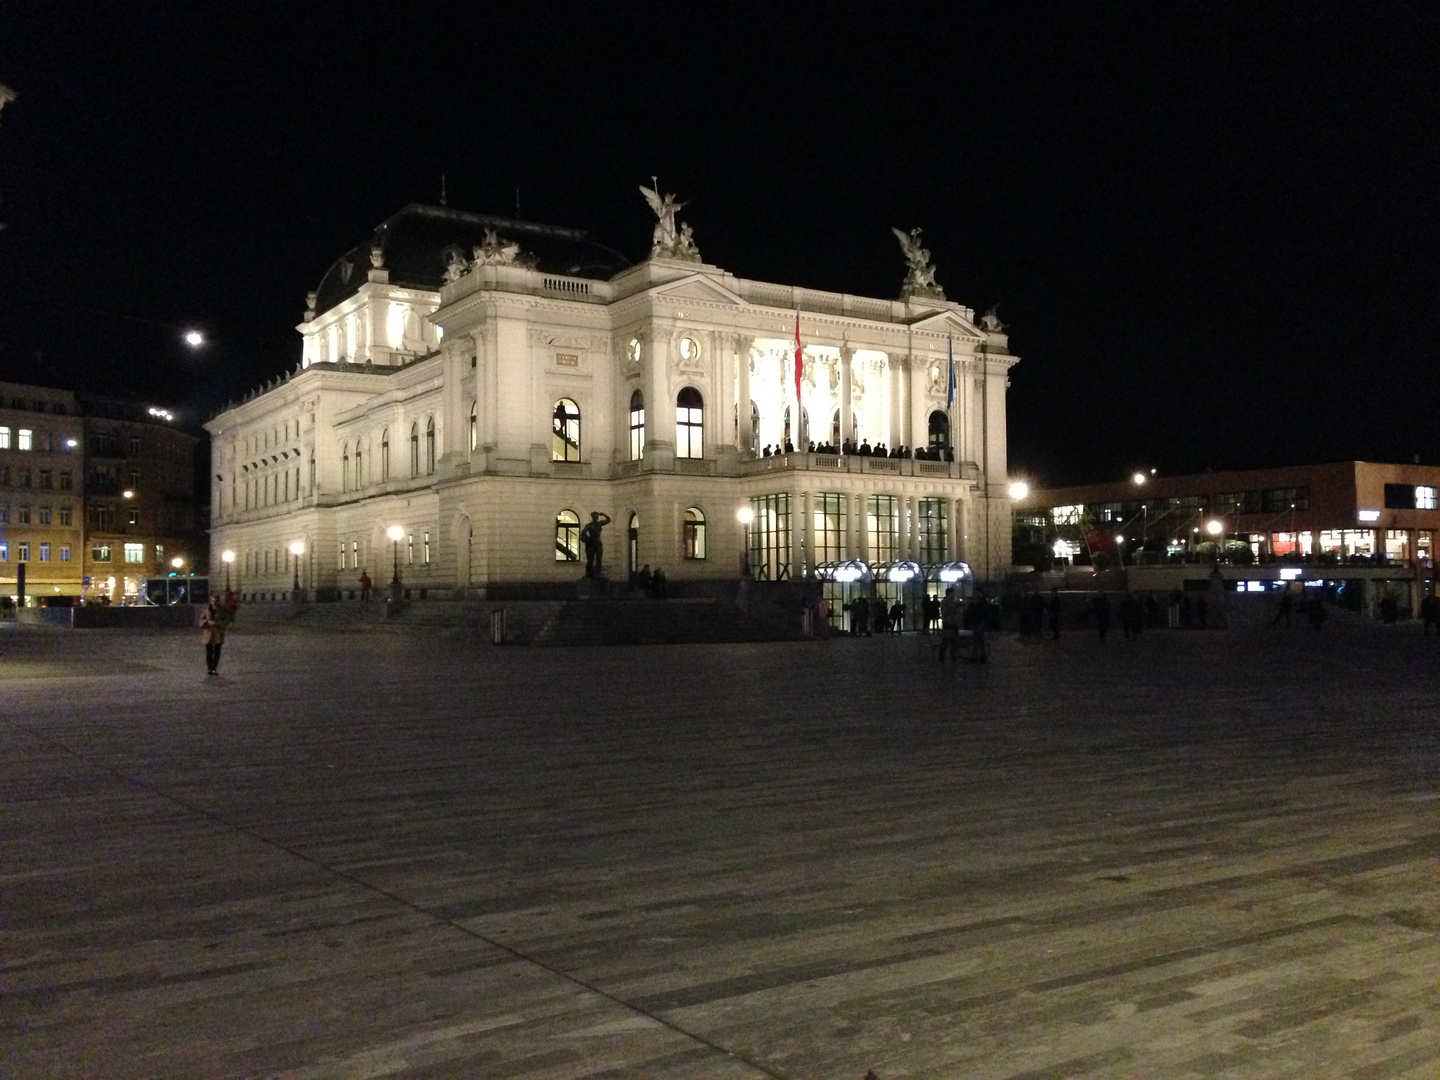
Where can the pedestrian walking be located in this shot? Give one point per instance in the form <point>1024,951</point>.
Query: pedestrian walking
<point>1132,617</point>
<point>365,585</point>
<point>950,618</point>
<point>1100,605</point>
<point>213,621</point>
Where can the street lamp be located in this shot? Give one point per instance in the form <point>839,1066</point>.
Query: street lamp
<point>227,557</point>
<point>194,338</point>
<point>745,515</point>
<point>395,532</point>
<point>1215,528</point>
<point>1019,490</point>
<point>297,548</point>
<point>177,562</point>
<point>1139,479</point>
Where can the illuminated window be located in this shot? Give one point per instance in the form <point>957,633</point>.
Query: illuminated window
<point>829,510</point>
<point>1066,515</point>
<point>134,552</point>
<point>934,523</point>
<point>637,425</point>
<point>4,551</point>
<point>770,537</point>
<point>23,441</point>
<point>44,551</point>
<point>159,554</point>
<point>694,533</point>
<point>1425,497</point>
<point>689,424</point>
<point>882,517</point>
<point>340,562</point>
<point>426,549</point>
<point>473,431</point>
<point>565,431</point>
<point>410,549</point>
<point>4,438</point>
<point>567,536</point>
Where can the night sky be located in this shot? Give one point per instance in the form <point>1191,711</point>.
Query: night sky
<point>1211,228</point>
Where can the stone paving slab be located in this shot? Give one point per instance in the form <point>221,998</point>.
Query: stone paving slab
<point>1192,855</point>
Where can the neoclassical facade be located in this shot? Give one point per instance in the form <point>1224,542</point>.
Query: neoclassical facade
<point>485,385</point>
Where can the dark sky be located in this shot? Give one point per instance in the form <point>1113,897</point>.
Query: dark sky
<point>1211,227</point>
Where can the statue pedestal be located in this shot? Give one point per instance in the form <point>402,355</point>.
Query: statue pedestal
<point>592,588</point>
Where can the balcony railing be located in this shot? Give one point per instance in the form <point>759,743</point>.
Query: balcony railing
<point>860,464</point>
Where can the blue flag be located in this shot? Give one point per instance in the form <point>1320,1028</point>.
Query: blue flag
<point>950,397</point>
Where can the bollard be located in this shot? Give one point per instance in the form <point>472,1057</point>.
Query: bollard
<point>497,626</point>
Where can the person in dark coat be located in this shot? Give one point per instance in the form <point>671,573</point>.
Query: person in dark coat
<point>1100,605</point>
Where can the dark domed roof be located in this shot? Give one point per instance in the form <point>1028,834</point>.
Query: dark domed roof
<point>415,242</point>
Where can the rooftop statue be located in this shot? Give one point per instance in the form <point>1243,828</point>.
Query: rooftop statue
<point>495,251</point>
<point>990,321</point>
<point>667,242</point>
<point>920,277</point>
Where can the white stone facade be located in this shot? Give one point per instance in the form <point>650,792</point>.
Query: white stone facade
<point>435,409</point>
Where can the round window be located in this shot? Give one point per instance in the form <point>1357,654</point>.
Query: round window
<point>689,348</point>
<point>633,350</point>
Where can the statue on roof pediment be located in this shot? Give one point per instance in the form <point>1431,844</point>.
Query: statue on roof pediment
<point>668,241</point>
<point>990,321</point>
<point>496,252</point>
<point>920,275</point>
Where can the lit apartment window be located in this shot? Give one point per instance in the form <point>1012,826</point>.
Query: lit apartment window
<point>1425,497</point>
<point>24,439</point>
<point>100,553</point>
<point>427,549</point>
<point>134,517</point>
<point>134,552</point>
<point>159,554</point>
<point>4,438</point>
<point>4,551</point>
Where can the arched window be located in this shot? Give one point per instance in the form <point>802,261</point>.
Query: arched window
<point>345,468</point>
<point>473,432</point>
<point>632,545</point>
<point>430,447</point>
<point>359,468</point>
<point>754,427</point>
<point>694,533</point>
<point>565,431</point>
<point>689,424</point>
<point>567,536</point>
<point>414,450</point>
<point>794,436</point>
<point>385,455</point>
<point>939,430</point>
<point>637,425</point>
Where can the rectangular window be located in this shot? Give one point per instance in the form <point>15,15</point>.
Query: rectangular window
<point>410,549</point>
<point>4,438</point>
<point>1400,496</point>
<point>134,517</point>
<point>1425,497</point>
<point>427,549</point>
<point>934,530</point>
<point>882,519</point>
<point>159,554</point>
<point>354,552</point>
<point>64,552</point>
<point>829,510</point>
<point>22,551</point>
<point>1066,515</point>
<point>100,553</point>
<point>4,551</point>
<point>67,515</point>
<point>44,518</point>
<point>340,564</point>
<point>134,446</point>
<point>22,515</point>
<point>770,537</point>
<point>24,478</point>
<point>66,484</point>
<point>134,552</point>
<point>44,551</point>
<point>45,481</point>
<point>23,440</point>
<point>45,442</point>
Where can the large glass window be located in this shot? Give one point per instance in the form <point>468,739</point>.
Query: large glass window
<point>632,544</point>
<point>689,424</point>
<point>694,533</point>
<point>637,425</point>
<point>567,536</point>
<point>939,430</point>
<point>430,447</point>
<point>100,553</point>
<point>134,552</point>
<point>933,531</point>
<point>565,431</point>
<point>23,440</point>
<point>882,516</point>
<point>770,537</point>
<point>829,511</point>
<point>1425,497</point>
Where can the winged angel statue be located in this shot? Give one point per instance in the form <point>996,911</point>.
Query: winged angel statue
<point>667,241</point>
<point>920,278</point>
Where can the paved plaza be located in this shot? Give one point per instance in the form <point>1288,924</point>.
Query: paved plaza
<point>1195,855</point>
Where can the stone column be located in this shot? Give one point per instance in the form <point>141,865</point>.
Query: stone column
<point>847,425</point>
<point>959,532</point>
<point>659,403</point>
<point>807,527</point>
<point>743,433</point>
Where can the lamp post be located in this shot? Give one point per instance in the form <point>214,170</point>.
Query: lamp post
<point>395,532</point>
<point>227,557</point>
<point>745,516</point>
<point>297,548</point>
<point>1215,528</point>
<point>1138,478</point>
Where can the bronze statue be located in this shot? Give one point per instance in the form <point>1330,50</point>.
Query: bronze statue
<point>594,546</point>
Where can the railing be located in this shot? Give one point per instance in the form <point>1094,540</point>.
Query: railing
<point>566,286</point>
<point>859,463</point>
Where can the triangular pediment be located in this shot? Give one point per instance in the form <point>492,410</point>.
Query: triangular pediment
<point>948,322</point>
<point>698,289</point>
